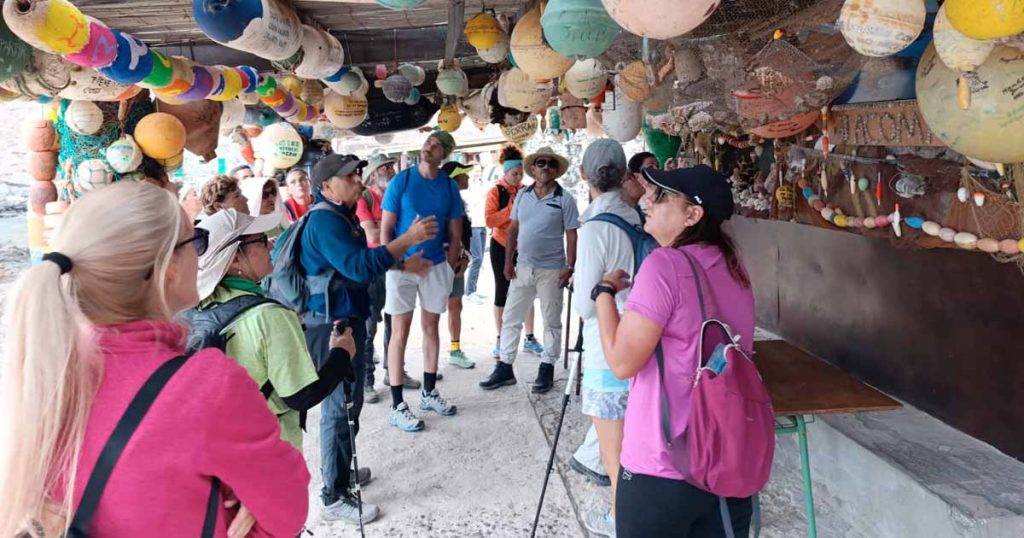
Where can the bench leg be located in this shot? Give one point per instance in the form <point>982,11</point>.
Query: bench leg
<point>805,467</point>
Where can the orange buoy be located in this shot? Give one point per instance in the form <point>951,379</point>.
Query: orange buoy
<point>160,135</point>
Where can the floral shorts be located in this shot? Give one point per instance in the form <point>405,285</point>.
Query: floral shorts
<point>605,405</point>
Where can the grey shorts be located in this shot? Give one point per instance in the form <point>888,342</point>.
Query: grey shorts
<point>458,287</point>
<point>605,405</point>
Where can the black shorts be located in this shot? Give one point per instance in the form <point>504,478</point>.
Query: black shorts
<point>498,267</point>
<point>649,506</point>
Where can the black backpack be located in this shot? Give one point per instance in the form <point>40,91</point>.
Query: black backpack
<point>206,326</point>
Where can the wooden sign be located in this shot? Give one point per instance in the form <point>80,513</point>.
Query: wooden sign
<point>891,123</point>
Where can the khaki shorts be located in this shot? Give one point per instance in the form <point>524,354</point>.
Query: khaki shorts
<point>433,289</point>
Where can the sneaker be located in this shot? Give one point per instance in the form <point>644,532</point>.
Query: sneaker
<point>501,376</point>
<point>363,475</point>
<point>531,345</point>
<point>402,418</point>
<point>408,383</point>
<point>545,379</point>
<point>476,298</point>
<point>346,510</point>
<point>459,359</point>
<point>370,394</point>
<point>600,523</point>
<point>597,478</point>
<point>434,402</point>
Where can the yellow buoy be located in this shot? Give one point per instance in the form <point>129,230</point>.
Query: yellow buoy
<point>160,135</point>
<point>449,118</point>
<point>483,31</point>
<point>986,19</point>
<point>633,81</point>
<point>959,53</point>
<point>531,53</point>
<point>345,111</point>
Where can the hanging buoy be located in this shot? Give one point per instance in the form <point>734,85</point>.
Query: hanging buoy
<point>49,25</point>
<point>17,54</point>
<point>452,81</point>
<point>267,28</point>
<point>348,83</point>
<point>449,119</point>
<point>959,53</point>
<point>483,31</point>
<point>621,117</point>
<point>521,132</point>
<point>414,97</point>
<point>124,155</point>
<point>660,19</point>
<point>83,117</point>
<point>322,54</point>
<point>345,111</point>
<point>100,51</point>
<point>532,54</point>
<point>89,85</point>
<point>986,19</point>
<point>401,4</point>
<point>497,53</point>
<point>414,73</point>
<point>633,80</point>
<point>42,165</point>
<point>397,88</point>
<point>133,61</point>
<point>91,174</point>
<point>517,90</point>
<point>281,145</point>
<point>979,198</point>
<point>962,194</point>
<point>586,79</point>
<point>881,27</point>
<point>578,29</point>
<point>40,135</point>
<point>160,135</point>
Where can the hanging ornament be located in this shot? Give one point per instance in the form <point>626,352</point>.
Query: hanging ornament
<point>483,31</point>
<point>497,53</point>
<point>449,119</point>
<point>586,79</point>
<point>160,135</point>
<point>979,198</point>
<point>124,155</point>
<point>960,53</point>
<point>532,54</point>
<point>578,29</point>
<point>962,194</point>
<point>660,19</point>
<point>881,27</point>
<point>788,127</point>
<point>83,117</point>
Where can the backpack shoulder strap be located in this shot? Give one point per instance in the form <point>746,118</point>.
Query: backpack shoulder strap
<point>117,442</point>
<point>504,197</point>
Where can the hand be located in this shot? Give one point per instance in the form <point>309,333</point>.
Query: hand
<point>565,277</point>
<point>619,279</point>
<point>416,265</point>
<point>510,271</point>
<point>243,521</point>
<point>343,341</point>
<point>422,229</point>
<point>461,265</point>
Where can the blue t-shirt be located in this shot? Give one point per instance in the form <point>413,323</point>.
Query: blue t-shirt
<point>409,195</point>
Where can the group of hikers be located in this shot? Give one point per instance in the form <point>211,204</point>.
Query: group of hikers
<point>167,346</point>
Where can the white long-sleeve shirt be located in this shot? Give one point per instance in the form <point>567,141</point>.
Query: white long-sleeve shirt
<point>601,248</point>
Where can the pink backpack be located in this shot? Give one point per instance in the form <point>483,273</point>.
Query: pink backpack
<point>728,447</point>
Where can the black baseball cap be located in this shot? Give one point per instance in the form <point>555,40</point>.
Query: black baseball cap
<point>454,168</point>
<point>335,165</point>
<point>701,184</point>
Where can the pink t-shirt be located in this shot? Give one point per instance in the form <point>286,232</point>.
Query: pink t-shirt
<point>664,292</point>
<point>366,213</point>
<point>210,420</point>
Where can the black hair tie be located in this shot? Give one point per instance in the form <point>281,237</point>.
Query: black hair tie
<point>61,260</point>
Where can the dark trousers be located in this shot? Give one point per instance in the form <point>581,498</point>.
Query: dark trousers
<point>501,283</point>
<point>335,437</point>
<point>377,295</point>
<point>477,245</point>
<point>649,506</point>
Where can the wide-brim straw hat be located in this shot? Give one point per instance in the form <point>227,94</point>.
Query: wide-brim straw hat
<point>546,151</point>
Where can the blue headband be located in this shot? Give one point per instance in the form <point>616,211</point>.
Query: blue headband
<point>512,163</point>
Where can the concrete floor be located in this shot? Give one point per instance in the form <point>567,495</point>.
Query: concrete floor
<point>480,472</point>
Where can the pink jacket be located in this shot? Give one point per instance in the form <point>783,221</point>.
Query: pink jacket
<point>210,420</point>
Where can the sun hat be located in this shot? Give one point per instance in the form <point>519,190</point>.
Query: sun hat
<point>226,227</point>
<point>374,162</point>
<point>702,184</point>
<point>447,141</point>
<point>546,151</point>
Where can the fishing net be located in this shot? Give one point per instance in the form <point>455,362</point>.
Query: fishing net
<point>1000,217</point>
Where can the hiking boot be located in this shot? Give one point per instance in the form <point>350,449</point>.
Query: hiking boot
<point>545,379</point>
<point>600,523</point>
<point>408,383</point>
<point>346,510</point>
<point>501,376</point>
<point>434,402</point>
<point>370,394</point>
<point>459,359</point>
<point>402,418</point>
<point>363,475</point>
<point>592,475</point>
<point>531,345</point>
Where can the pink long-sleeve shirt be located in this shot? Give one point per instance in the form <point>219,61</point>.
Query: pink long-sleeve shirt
<point>209,421</point>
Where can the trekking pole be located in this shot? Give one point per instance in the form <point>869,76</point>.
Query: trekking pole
<point>558,432</point>
<point>568,320</point>
<point>578,348</point>
<point>355,462</point>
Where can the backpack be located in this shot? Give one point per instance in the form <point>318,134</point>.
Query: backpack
<point>642,242</point>
<point>728,446</point>
<point>287,283</point>
<point>115,445</point>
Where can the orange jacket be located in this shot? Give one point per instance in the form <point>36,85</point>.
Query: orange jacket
<point>499,218</point>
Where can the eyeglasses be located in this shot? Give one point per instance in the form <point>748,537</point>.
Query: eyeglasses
<point>261,240</point>
<point>268,194</point>
<point>546,163</point>
<point>200,240</point>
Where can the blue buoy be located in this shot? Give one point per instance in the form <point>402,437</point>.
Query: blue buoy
<point>225,20</point>
<point>337,76</point>
<point>914,222</point>
<point>808,192</point>
<point>133,63</point>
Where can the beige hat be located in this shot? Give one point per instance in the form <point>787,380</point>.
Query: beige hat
<point>546,151</point>
<point>376,161</point>
<point>225,227</point>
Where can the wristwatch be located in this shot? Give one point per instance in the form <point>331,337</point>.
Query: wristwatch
<point>600,288</point>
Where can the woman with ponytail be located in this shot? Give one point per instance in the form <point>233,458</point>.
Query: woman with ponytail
<point>86,329</point>
<point>498,216</point>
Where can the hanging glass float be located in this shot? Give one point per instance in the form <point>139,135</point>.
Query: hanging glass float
<point>83,117</point>
<point>985,19</point>
<point>882,27</point>
<point>517,90</point>
<point>959,53</point>
<point>267,28</point>
<point>449,119</point>
<point>632,79</point>
<point>414,73</point>
<point>992,129</point>
<point>160,135</point>
<point>483,31</point>
<point>578,29</point>
<point>621,117</point>
<point>452,81</point>
<point>498,53</point>
<point>586,79</point>
<point>660,19</point>
<point>531,52</point>
<point>396,88</point>
<point>401,4</point>
<point>124,155</point>
<point>345,111</point>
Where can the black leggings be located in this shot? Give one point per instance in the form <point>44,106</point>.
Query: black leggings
<point>498,267</point>
<point>652,506</point>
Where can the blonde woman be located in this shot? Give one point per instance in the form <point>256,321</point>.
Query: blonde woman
<point>87,329</point>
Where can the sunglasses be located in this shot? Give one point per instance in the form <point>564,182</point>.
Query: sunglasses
<point>200,240</point>
<point>261,240</point>
<point>546,163</point>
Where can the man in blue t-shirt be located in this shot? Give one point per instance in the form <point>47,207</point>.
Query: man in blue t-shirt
<point>416,193</point>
